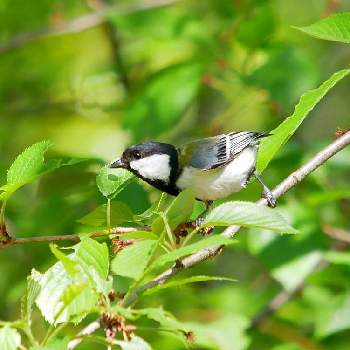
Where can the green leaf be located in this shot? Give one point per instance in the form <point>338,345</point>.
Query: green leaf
<point>184,281</point>
<point>68,264</point>
<point>54,344</point>
<point>140,234</point>
<point>341,258</point>
<point>191,248</point>
<point>110,185</point>
<point>179,211</point>
<point>67,295</point>
<point>133,260</point>
<point>10,339</point>
<point>136,343</point>
<point>28,300</point>
<point>120,213</point>
<point>248,214</point>
<point>334,28</point>
<point>29,164</point>
<point>94,255</point>
<point>271,145</point>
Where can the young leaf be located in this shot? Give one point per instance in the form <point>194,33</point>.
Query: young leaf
<point>10,339</point>
<point>334,28</point>
<point>133,260</point>
<point>191,248</point>
<point>341,258</point>
<point>183,281</point>
<point>28,300</point>
<point>271,145</point>
<point>140,234</point>
<point>178,212</point>
<point>248,214</point>
<point>68,263</point>
<point>110,185</point>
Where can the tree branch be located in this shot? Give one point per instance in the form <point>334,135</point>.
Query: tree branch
<point>81,23</point>
<point>72,237</point>
<point>291,181</point>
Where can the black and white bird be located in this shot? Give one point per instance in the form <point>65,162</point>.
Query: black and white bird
<point>213,167</point>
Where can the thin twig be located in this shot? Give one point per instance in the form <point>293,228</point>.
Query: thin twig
<point>291,181</point>
<point>89,329</point>
<point>81,23</point>
<point>71,237</point>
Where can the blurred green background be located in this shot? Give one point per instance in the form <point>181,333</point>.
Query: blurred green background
<point>174,71</point>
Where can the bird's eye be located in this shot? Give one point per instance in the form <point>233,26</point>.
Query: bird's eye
<point>137,155</point>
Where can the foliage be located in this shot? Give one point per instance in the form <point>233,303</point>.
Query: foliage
<point>172,73</point>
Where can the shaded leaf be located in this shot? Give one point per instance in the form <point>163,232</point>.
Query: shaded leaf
<point>334,28</point>
<point>280,135</point>
<point>248,214</point>
<point>179,211</point>
<point>133,260</point>
<point>188,280</point>
<point>120,213</point>
<point>191,248</point>
<point>10,339</point>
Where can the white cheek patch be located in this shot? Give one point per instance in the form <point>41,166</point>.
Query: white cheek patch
<point>155,167</point>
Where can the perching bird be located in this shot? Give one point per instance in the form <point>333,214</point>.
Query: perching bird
<point>213,168</point>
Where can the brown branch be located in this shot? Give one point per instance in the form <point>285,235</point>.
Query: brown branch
<point>71,237</point>
<point>291,181</point>
<point>81,23</point>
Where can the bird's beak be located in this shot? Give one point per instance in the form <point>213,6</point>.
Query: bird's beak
<point>117,164</point>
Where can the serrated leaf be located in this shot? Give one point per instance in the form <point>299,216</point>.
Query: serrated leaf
<point>54,284</point>
<point>248,214</point>
<point>271,145</point>
<point>68,264</point>
<point>334,28</point>
<point>10,339</point>
<point>184,281</point>
<point>120,213</point>
<point>28,164</point>
<point>179,211</point>
<point>133,260</point>
<point>94,255</point>
<point>136,343</point>
<point>111,182</point>
<point>191,248</point>
<point>28,300</point>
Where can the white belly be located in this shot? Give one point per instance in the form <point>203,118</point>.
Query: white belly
<point>221,182</point>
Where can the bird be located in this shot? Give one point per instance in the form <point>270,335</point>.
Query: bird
<point>213,167</point>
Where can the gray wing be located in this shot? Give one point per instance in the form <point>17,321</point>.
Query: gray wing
<point>217,151</point>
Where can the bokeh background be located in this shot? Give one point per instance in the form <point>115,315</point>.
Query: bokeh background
<point>121,72</point>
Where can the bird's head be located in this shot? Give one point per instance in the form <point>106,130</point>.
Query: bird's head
<point>152,161</point>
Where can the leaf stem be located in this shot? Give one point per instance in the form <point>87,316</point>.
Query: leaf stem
<point>108,213</point>
<point>168,231</point>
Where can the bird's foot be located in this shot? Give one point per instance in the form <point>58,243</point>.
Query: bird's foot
<point>270,198</point>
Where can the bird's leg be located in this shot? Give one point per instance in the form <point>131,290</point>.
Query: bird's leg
<point>267,194</point>
<point>201,216</point>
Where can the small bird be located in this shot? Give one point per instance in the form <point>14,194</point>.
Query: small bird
<point>213,167</point>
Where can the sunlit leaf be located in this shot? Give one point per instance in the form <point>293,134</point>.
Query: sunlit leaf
<point>133,260</point>
<point>334,28</point>
<point>10,339</point>
<point>136,343</point>
<point>248,214</point>
<point>191,248</point>
<point>280,135</point>
<point>112,181</point>
<point>184,281</point>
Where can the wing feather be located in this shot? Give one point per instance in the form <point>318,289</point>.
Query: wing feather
<point>213,152</point>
